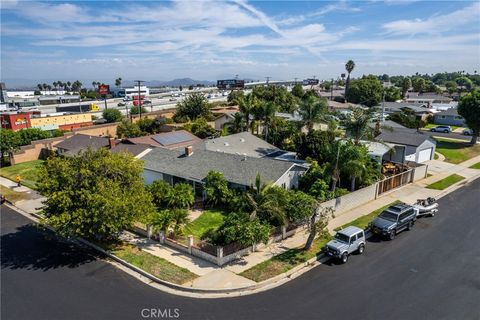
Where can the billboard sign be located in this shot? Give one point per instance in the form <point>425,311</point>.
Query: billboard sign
<point>230,84</point>
<point>104,89</point>
<point>310,82</point>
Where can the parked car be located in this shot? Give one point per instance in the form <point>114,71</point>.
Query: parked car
<point>172,99</point>
<point>444,129</point>
<point>346,241</point>
<point>393,220</point>
<point>121,104</point>
<point>467,132</point>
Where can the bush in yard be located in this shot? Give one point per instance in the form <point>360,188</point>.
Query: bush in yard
<point>112,115</point>
<point>238,227</point>
<point>127,129</point>
<point>95,194</point>
<point>217,189</point>
<point>137,109</point>
<point>161,192</point>
<point>181,197</point>
<point>169,219</point>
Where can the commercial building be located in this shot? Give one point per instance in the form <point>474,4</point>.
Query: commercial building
<point>33,119</point>
<point>130,92</point>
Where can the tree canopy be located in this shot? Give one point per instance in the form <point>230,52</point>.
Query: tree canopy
<point>366,91</point>
<point>192,107</point>
<point>95,194</point>
<point>112,115</point>
<point>469,108</point>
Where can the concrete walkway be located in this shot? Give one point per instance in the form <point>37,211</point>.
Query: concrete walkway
<point>32,199</point>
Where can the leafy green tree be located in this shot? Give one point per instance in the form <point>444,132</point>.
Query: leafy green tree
<point>137,109</point>
<point>392,94</point>
<point>247,105</point>
<point>319,190</point>
<point>28,135</point>
<point>127,129</point>
<point>469,108</point>
<point>9,143</point>
<point>283,100</point>
<point>283,133</point>
<point>405,84</point>
<point>349,66</point>
<point>217,189</point>
<point>192,107</point>
<point>201,128</point>
<point>312,110</point>
<point>235,96</point>
<point>366,91</point>
<point>300,206</point>
<point>238,227</point>
<point>112,115</point>
<point>451,86</point>
<point>118,82</point>
<point>298,91</point>
<point>150,126</point>
<point>316,145</point>
<point>265,113</point>
<point>237,124</point>
<point>95,194</point>
<point>418,84</point>
<point>181,197</point>
<point>407,118</point>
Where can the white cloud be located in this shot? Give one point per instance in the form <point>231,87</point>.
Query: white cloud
<point>435,24</point>
<point>338,6</point>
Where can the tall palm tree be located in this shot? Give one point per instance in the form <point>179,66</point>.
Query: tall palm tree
<point>357,125</point>
<point>265,112</point>
<point>40,86</point>
<point>94,84</point>
<point>312,111</point>
<point>246,105</point>
<point>349,66</point>
<point>55,85</point>
<point>118,82</point>
<point>355,168</point>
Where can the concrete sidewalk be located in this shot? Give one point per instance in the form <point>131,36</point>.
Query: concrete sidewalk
<point>32,199</point>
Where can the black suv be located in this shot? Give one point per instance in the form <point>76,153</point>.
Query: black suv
<point>393,220</point>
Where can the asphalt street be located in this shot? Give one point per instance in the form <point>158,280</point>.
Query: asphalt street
<point>431,272</point>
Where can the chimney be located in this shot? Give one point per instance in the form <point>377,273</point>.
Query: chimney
<point>112,143</point>
<point>188,151</point>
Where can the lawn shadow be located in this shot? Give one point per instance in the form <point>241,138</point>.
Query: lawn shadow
<point>32,248</point>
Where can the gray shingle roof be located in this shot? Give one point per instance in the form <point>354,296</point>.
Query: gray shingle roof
<point>134,149</point>
<point>82,141</point>
<point>449,112</point>
<point>241,143</point>
<point>409,137</point>
<point>236,169</point>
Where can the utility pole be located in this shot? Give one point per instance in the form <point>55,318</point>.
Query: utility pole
<point>331,91</point>
<point>268,79</point>
<point>139,83</point>
<point>383,107</point>
<point>295,80</point>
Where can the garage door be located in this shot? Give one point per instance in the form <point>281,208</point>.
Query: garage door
<point>425,155</point>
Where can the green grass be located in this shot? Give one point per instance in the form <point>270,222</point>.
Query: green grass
<point>476,166</point>
<point>209,219</point>
<point>28,172</point>
<point>432,125</point>
<point>11,195</point>
<point>362,222</point>
<point>445,183</point>
<point>157,266</point>
<point>285,261</point>
<point>456,151</point>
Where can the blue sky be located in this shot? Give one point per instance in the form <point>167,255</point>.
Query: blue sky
<point>210,40</point>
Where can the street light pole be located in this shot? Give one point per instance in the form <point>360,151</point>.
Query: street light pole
<point>139,82</point>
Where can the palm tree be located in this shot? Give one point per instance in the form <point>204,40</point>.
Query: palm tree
<point>69,84</point>
<point>265,112</point>
<point>237,124</point>
<point>266,201</point>
<point>312,111</point>
<point>174,219</point>
<point>55,85</point>
<point>118,82</point>
<point>357,125</point>
<point>94,84</point>
<point>40,86</point>
<point>349,66</point>
<point>246,105</point>
<point>355,168</point>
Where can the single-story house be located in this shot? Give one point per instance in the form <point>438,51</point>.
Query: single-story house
<point>239,157</point>
<point>136,150</point>
<point>427,98</point>
<point>169,140</point>
<point>79,142</point>
<point>421,110</point>
<point>223,119</point>
<point>409,145</point>
<point>449,117</point>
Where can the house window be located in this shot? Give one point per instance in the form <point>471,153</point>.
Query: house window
<point>458,118</point>
<point>284,185</point>
<point>443,117</point>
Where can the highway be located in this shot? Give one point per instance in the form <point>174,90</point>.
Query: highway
<point>431,272</point>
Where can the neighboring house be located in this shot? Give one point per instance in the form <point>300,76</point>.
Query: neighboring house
<point>331,95</point>
<point>421,110</point>
<point>386,124</point>
<point>223,119</point>
<point>449,117</point>
<point>297,118</point>
<point>168,140</point>
<point>239,157</point>
<point>409,145</point>
<point>427,98</point>
<point>379,151</point>
<point>81,142</point>
<point>136,150</point>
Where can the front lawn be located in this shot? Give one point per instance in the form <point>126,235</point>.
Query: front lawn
<point>285,261</point>
<point>456,151</point>
<point>209,219</point>
<point>154,265</point>
<point>476,166</point>
<point>363,221</point>
<point>28,172</point>
<point>445,183</point>
<point>11,195</point>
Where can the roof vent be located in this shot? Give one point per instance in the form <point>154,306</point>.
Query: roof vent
<point>226,144</point>
<point>242,140</point>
